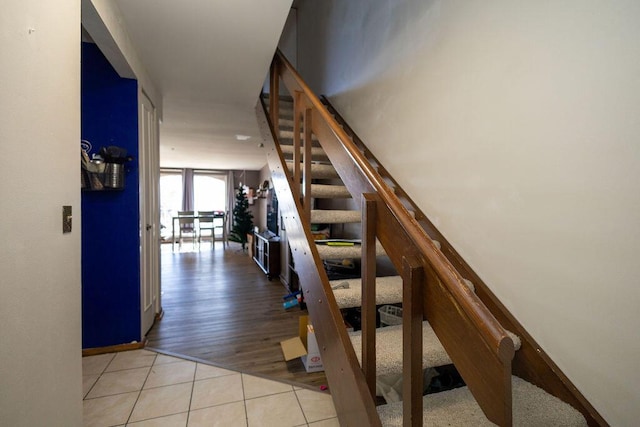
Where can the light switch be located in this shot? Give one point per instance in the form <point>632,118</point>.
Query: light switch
<point>66,219</point>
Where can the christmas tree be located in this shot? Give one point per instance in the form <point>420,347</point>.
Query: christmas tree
<point>242,219</point>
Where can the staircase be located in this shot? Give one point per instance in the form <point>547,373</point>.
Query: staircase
<point>324,175</point>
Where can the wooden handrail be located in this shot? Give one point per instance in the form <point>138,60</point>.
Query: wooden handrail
<point>496,334</point>
<point>458,312</point>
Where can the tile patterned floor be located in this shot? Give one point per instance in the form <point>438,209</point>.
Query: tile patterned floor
<point>142,388</point>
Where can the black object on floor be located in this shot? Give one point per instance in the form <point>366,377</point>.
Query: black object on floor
<point>448,378</point>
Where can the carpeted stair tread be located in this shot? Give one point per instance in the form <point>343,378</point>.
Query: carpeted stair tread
<point>388,291</point>
<point>285,105</point>
<point>285,112</point>
<point>326,191</point>
<point>316,152</point>
<point>343,252</point>
<point>532,407</point>
<point>285,124</point>
<point>318,170</point>
<point>389,348</point>
<point>288,134</point>
<point>289,141</point>
<point>282,99</point>
<point>334,216</point>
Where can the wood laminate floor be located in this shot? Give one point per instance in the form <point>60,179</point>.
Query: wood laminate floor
<point>219,307</point>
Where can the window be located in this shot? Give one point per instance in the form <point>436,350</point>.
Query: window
<point>209,192</point>
<point>170,199</point>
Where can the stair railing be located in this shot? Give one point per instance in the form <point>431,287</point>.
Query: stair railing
<point>354,403</point>
<point>477,344</point>
<point>530,362</point>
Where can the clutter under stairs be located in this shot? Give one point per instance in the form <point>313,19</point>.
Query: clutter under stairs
<point>331,210</point>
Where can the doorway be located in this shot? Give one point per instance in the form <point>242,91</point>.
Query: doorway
<point>198,190</point>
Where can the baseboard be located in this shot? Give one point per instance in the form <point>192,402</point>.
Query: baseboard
<point>114,348</point>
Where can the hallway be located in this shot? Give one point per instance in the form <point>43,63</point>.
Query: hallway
<point>222,364</point>
<point>220,308</point>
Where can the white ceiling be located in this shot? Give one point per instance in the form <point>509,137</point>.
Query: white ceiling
<point>209,59</point>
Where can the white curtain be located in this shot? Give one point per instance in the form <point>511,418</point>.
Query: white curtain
<point>187,190</point>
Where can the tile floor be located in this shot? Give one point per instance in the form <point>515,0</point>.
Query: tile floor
<point>142,388</point>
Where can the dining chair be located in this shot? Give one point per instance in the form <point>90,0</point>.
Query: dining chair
<point>206,223</point>
<point>187,227</point>
<point>221,224</point>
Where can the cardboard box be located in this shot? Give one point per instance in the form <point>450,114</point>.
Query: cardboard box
<point>304,346</point>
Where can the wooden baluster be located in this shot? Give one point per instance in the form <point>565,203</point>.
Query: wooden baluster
<point>274,89</point>
<point>297,178</point>
<point>369,204</point>
<point>412,315</point>
<point>306,177</point>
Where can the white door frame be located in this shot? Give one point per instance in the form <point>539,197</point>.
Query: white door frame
<point>149,164</point>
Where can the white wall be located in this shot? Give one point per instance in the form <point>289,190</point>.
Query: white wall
<point>515,127</point>
<point>40,348</point>
<point>288,43</point>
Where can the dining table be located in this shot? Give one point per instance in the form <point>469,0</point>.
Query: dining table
<point>196,217</point>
